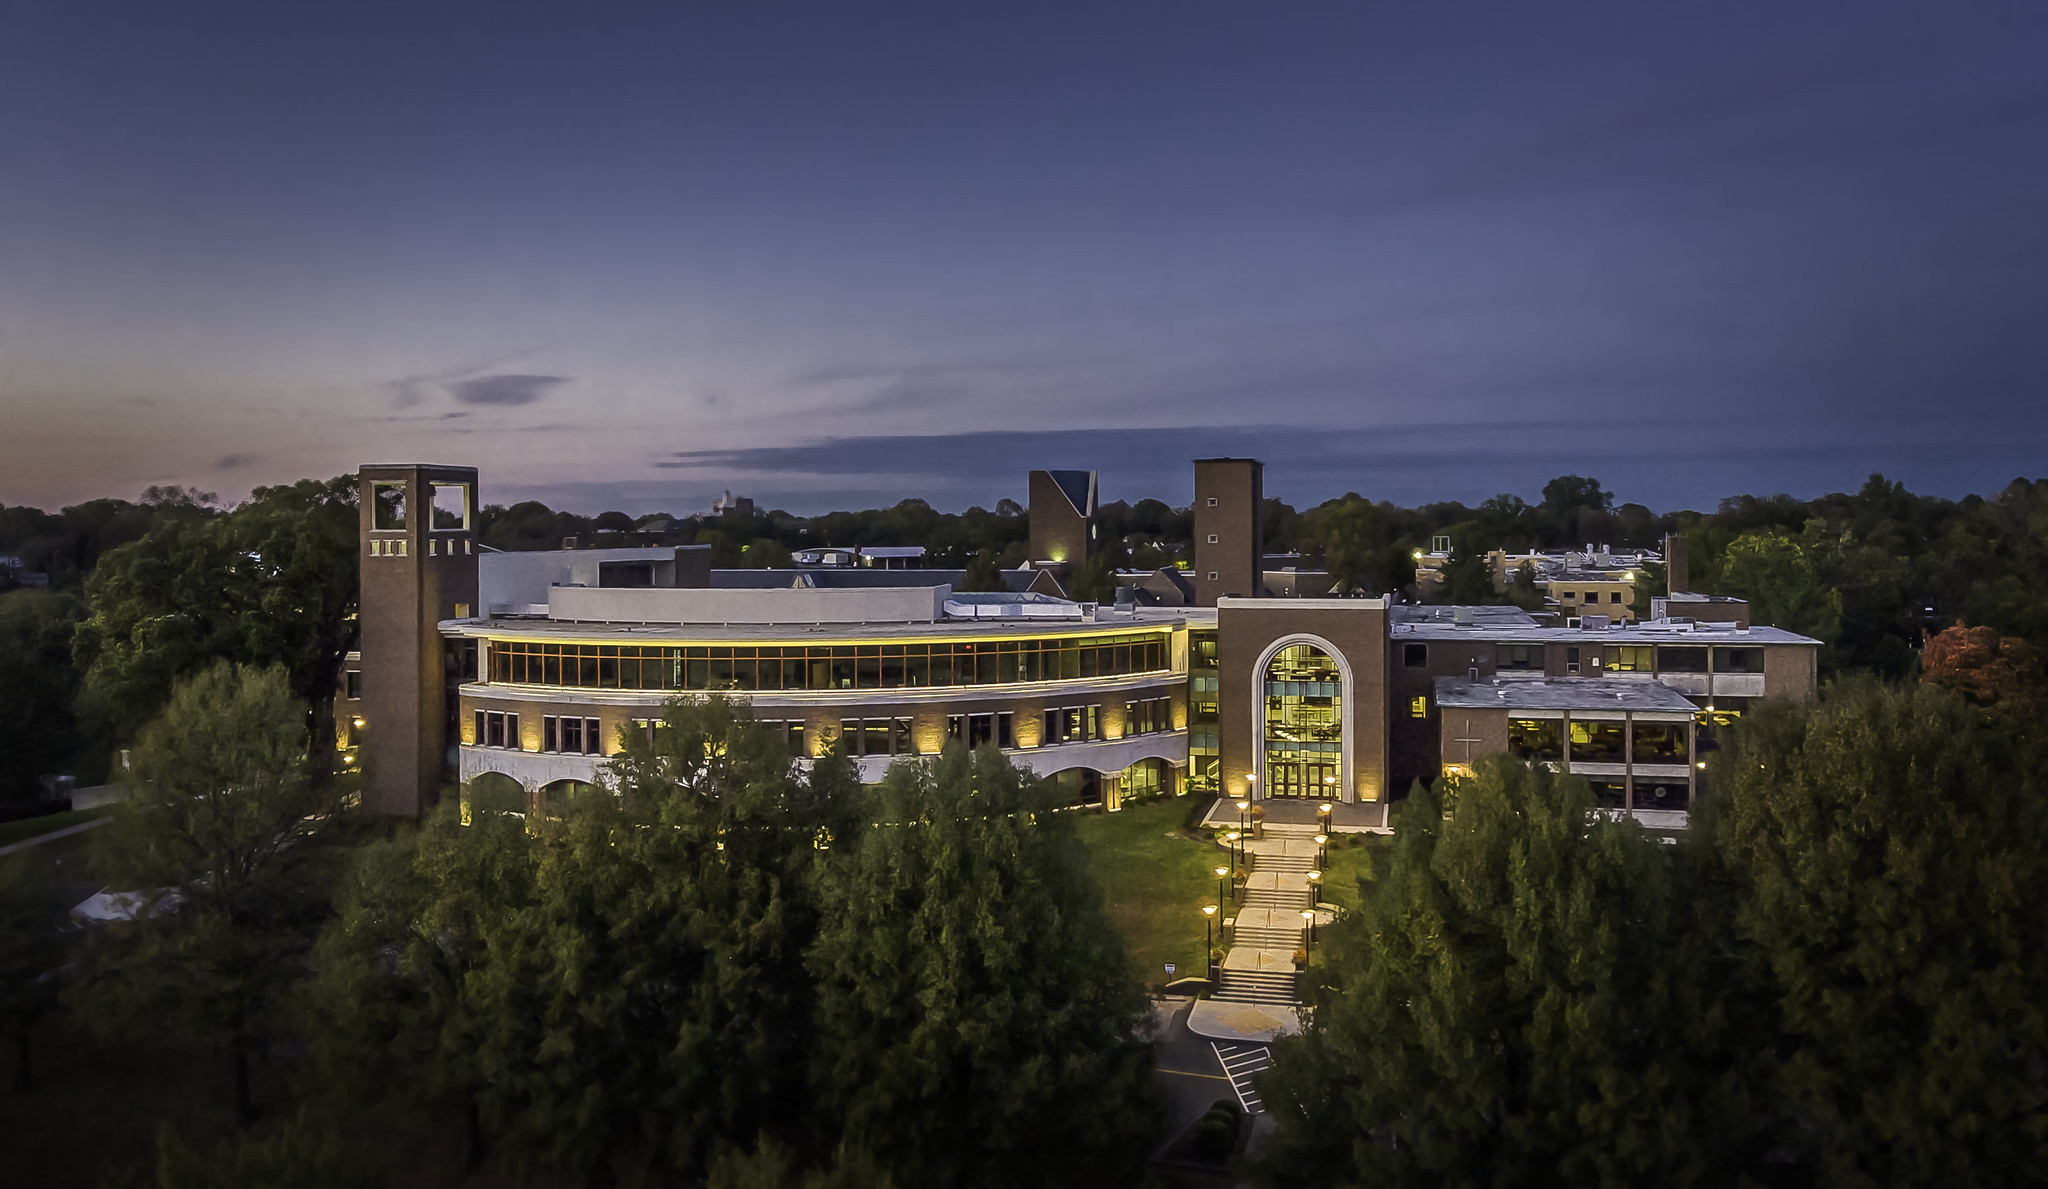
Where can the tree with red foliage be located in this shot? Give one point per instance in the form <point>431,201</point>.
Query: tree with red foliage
<point>2001,674</point>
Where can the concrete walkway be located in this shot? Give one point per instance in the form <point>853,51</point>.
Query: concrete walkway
<point>1255,998</point>
<point>1361,817</point>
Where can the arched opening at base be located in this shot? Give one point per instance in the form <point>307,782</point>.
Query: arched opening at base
<point>492,793</point>
<point>1078,786</point>
<point>558,798</point>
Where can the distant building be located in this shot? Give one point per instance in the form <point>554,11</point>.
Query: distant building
<point>730,504</point>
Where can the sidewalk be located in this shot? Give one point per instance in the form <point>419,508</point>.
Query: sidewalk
<point>1255,999</point>
<point>1358,817</point>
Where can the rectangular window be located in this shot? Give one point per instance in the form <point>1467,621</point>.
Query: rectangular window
<point>476,730</point>
<point>1597,742</point>
<point>550,738</point>
<point>1518,656</point>
<point>389,501</point>
<point>352,685</point>
<point>593,737</point>
<point>1614,596</point>
<point>849,731</point>
<point>1687,659</point>
<point>1418,706</point>
<point>875,736</point>
<point>956,728</point>
<point>1006,730</point>
<point>900,740</point>
<point>572,735</point>
<point>981,728</point>
<point>1415,656</point>
<point>1629,658</point>
<point>1659,743</point>
<point>451,506</point>
<point>1738,660</point>
<point>1536,739</point>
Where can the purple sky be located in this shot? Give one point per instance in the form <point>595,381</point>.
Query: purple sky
<point>842,254</point>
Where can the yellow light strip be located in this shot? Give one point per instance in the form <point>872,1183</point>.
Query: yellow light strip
<point>664,642</point>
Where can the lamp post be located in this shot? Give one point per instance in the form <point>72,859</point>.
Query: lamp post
<point>1222,884</point>
<point>1208,940</point>
<point>1242,808</point>
<point>1322,851</point>
<point>1231,838</point>
<point>1323,810</point>
<point>1315,888</point>
<point>1308,929</point>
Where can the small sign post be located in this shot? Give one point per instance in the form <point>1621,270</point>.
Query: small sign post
<point>1169,968</point>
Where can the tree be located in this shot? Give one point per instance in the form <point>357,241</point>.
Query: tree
<point>1468,579</point>
<point>1887,860</point>
<point>291,1157</point>
<point>1777,576</point>
<point>31,955</point>
<point>1355,541</point>
<point>2002,675</point>
<point>982,576</point>
<point>1094,581</point>
<point>218,836</point>
<point>977,1021</point>
<point>1575,511</point>
<point>651,1002</point>
<point>272,583</point>
<point>393,1014</point>
<point>38,689</point>
<point>1517,1000</point>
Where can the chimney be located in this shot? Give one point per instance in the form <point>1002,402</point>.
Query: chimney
<point>1677,580</point>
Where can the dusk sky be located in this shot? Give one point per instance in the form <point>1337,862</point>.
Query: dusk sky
<point>837,255</point>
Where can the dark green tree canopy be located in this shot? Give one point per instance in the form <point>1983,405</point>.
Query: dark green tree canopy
<point>272,583</point>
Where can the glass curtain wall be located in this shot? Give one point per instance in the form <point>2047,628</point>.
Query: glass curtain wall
<point>813,667</point>
<point>1304,723</point>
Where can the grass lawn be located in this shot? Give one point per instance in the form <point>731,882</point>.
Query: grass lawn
<point>1155,878</point>
<point>1347,865</point>
<point>29,827</point>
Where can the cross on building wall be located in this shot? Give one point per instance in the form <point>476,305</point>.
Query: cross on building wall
<point>1468,741</point>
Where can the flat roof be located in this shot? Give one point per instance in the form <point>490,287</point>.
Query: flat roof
<point>1517,627</point>
<point>1559,693</point>
<point>1106,623</point>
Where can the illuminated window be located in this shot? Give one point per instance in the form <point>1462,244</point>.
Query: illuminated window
<point>1418,707</point>
<point>1630,658</point>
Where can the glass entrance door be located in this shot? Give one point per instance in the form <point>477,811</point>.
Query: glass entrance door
<point>1304,723</point>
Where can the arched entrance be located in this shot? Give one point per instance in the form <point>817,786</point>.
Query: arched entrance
<point>492,793</point>
<point>1301,723</point>
<point>1078,786</point>
<point>556,798</point>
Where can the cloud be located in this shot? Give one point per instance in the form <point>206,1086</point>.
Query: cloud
<point>509,389</point>
<point>229,462</point>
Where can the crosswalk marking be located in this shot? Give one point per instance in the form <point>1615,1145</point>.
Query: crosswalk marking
<point>1241,1062</point>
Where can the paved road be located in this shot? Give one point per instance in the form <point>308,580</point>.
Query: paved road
<point>1242,1062</point>
<point>1185,1068</point>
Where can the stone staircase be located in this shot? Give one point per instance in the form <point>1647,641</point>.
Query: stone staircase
<point>1257,986</point>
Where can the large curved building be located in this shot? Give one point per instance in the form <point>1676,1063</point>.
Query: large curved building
<point>526,670</point>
